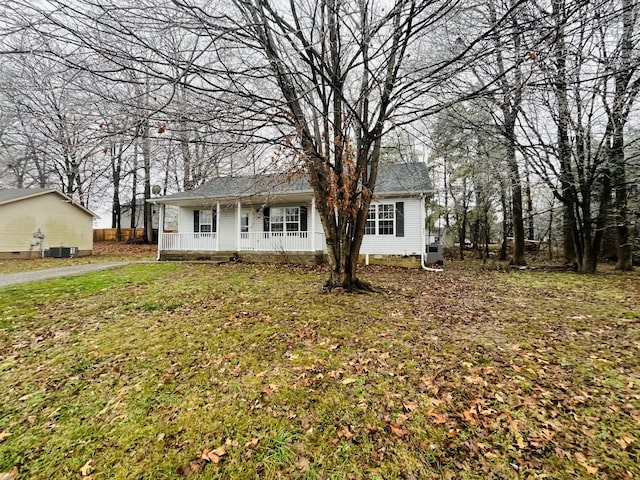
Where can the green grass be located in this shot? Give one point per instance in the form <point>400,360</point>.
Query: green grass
<point>463,374</point>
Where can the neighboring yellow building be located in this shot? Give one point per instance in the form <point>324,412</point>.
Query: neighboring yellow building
<point>34,221</point>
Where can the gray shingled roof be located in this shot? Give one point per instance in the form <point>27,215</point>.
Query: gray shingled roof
<point>402,178</point>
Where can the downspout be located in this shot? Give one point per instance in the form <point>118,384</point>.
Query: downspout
<point>423,239</point>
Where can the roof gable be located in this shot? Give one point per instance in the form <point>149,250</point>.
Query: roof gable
<point>11,195</point>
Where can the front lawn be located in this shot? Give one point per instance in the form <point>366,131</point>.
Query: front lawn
<point>250,371</point>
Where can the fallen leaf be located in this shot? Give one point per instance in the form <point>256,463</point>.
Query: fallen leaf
<point>582,460</point>
<point>4,435</point>
<point>371,427</point>
<point>624,441</point>
<point>214,456</point>
<point>348,381</point>
<point>305,423</point>
<point>87,468</point>
<point>410,406</point>
<point>10,475</point>
<point>397,430</point>
<point>439,418</point>
<point>346,433</point>
<point>193,467</point>
<point>303,464</point>
<point>268,390</point>
<point>469,416</point>
<point>252,443</point>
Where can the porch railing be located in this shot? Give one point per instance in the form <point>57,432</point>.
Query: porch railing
<point>254,241</point>
<point>188,241</point>
<point>281,241</point>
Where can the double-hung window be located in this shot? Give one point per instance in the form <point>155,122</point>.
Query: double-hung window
<point>370,227</point>
<point>204,221</point>
<point>385,219</point>
<point>244,225</point>
<point>292,219</point>
<point>380,219</point>
<point>277,220</point>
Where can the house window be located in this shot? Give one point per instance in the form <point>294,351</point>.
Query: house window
<point>289,220</point>
<point>370,227</point>
<point>386,219</point>
<point>292,217</point>
<point>285,219</point>
<point>277,219</point>
<point>244,225</point>
<point>204,221</point>
<point>381,219</point>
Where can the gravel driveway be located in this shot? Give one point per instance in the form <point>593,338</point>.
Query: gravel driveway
<point>35,275</point>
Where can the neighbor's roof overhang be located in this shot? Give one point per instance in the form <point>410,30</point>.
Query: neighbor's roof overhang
<point>8,196</point>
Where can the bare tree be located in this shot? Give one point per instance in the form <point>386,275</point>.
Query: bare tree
<point>593,89</point>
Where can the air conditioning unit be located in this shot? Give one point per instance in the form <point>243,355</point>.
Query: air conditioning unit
<point>61,252</point>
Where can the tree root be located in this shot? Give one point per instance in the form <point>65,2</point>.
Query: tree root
<point>353,286</point>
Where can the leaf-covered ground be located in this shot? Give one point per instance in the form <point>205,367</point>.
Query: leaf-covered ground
<point>246,371</point>
<point>102,252</point>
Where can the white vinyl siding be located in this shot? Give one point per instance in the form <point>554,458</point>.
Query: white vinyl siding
<point>409,244</point>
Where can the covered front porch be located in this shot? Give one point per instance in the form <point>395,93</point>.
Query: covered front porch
<point>265,225</point>
<point>245,241</point>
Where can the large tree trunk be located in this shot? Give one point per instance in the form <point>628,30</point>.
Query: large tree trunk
<point>618,118</point>
<point>567,196</point>
<point>568,227</point>
<point>625,250</point>
<point>505,223</point>
<point>530,222</point>
<point>516,202</point>
<point>146,157</point>
<point>134,186</point>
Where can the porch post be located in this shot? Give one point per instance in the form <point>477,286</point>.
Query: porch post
<point>160,229</point>
<point>217,226</point>
<point>238,225</point>
<point>313,223</point>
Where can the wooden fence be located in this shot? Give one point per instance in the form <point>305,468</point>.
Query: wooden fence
<point>110,234</point>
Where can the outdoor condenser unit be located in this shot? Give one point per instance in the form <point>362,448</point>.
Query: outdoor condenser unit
<point>61,252</point>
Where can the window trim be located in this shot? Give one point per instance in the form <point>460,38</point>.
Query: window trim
<point>285,218</point>
<point>198,214</point>
<point>376,223</point>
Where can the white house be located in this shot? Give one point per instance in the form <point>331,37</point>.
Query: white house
<point>268,217</point>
